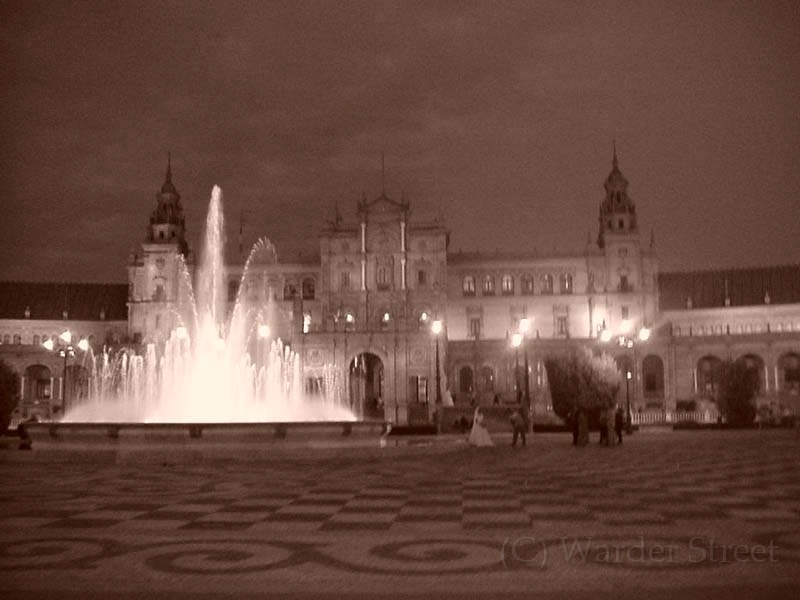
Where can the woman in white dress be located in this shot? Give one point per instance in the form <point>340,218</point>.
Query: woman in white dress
<point>479,436</point>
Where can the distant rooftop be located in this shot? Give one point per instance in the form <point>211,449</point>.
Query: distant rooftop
<point>57,301</point>
<point>743,287</point>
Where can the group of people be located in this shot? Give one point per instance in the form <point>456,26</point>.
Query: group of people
<point>608,418</point>
<point>479,434</point>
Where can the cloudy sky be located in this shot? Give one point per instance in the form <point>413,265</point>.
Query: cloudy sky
<point>499,116</point>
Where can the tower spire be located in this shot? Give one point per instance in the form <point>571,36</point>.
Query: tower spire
<point>614,161</point>
<point>169,166</point>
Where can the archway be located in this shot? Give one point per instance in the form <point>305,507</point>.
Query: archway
<point>366,386</point>
<point>709,373</point>
<point>653,379</point>
<point>38,384</point>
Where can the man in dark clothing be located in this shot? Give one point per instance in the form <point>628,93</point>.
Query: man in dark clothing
<point>618,424</point>
<point>519,425</point>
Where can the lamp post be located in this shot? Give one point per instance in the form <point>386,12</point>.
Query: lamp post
<point>66,350</point>
<point>516,340</point>
<point>436,329</point>
<point>524,327</point>
<point>627,340</point>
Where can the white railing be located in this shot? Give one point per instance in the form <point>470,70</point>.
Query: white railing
<point>670,417</point>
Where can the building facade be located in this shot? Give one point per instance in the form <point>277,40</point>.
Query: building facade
<point>364,309</point>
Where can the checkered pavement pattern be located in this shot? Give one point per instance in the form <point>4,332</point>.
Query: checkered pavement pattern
<point>545,484</point>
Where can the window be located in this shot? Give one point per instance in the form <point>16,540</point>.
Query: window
<point>547,284</point>
<point>527,284</point>
<point>624,284</point>
<point>562,329</point>
<point>487,379</point>
<point>308,289</point>
<point>36,340</point>
<point>306,322</point>
<point>465,380</point>
<point>17,339</point>
<point>349,321</point>
<point>422,278</point>
<point>344,280</point>
<point>488,285</point>
<point>6,339</point>
<point>159,295</point>
<point>507,285</point>
<point>625,312</point>
<point>468,285</point>
<point>475,327</point>
<point>385,320</point>
<point>289,291</point>
<point>424,318</point>
<point>566,283</point>
<point>383,278</point>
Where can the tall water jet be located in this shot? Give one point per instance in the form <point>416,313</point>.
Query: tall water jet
<point>214,367</point>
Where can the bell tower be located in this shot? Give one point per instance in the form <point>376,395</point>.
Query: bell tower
<point>156,269</point>
<point>617,210</point>
<point>167,223</point>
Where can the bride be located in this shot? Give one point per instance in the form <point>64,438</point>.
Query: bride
<point>479,436</point>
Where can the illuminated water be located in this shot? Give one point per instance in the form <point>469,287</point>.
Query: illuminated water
<point>215,367</point>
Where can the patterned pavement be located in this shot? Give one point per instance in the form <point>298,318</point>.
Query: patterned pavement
<point>706,513</point>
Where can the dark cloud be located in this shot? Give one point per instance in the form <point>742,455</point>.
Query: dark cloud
<point>501,116</point>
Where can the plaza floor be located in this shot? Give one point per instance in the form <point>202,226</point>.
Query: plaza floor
<point>671,514</point>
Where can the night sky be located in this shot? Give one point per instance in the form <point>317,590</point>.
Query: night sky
<point>499,116</point>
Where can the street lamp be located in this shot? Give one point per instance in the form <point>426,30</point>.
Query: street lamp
<point>436,329</point>
<point>524,327</point>
<point>628,341</point>
<point>66,350</point>
<point>516,340</point>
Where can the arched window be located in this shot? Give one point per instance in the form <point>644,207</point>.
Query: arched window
<point>789,367</point>
<point>653,376</point>
<point>756,363</point>
<point>289,291</point>
<point>527,284</point>
<point>547,284</point>
<point>468,285</point>
<point>38,383</point>
<point>566,283</point>
<point>487,379</point>
<point>465,380</point>
<point>308,289</point>
<point>709,374</point>
<point>488,285</point>
<point>507,285</point>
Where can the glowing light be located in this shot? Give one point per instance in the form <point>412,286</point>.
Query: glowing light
<point>181,333</point>
<point>264,331</point>
<point>628,375</point>
<point>626,326</point>
<point>644,334</point>
<point>436,327</point>
<point>606,335</point>
<point>306,322</point>
<point>385,317</point>
<point>349,318</point>
<point>524,325</point>
<point>48,344</point>
<point>516,340</point>
<point>83,344</point>
<point>66,337</point>
<point>424,317</point>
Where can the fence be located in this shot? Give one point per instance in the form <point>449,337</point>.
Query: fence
<point>670,417</point>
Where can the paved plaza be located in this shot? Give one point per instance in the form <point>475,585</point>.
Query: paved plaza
<point>669,514</point>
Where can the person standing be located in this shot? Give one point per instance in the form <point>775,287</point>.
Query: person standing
<point>519,425</point>
<point>618,423</point>
<point>479,436</point>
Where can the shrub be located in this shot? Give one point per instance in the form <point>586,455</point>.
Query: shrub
<point>578,379</point>
<point>738,387</point>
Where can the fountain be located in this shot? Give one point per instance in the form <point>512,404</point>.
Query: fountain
<point>214,367</point>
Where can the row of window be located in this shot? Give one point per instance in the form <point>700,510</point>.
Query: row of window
<point>739,329</point>
<point>383,279</point>
<point>527,285</point>
<point>36,339</point>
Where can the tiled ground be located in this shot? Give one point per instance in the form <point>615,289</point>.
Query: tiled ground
<point>439,520</point>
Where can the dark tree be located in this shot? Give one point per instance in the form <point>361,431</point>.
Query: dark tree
<point>737,390</point>
<point>9,394</point>
<point>582,384</point>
